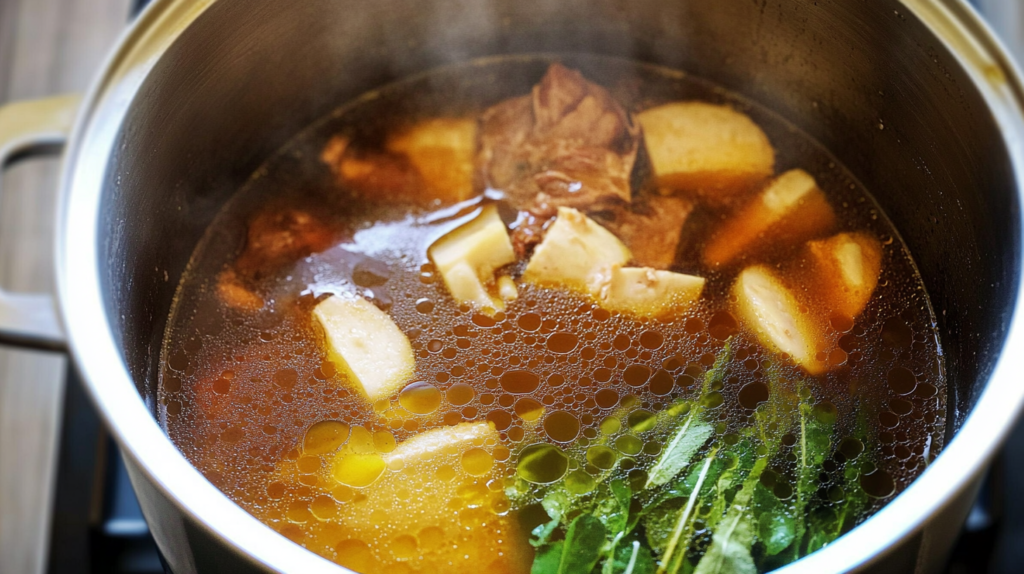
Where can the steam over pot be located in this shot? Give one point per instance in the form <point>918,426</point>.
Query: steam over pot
<point>914,96</point>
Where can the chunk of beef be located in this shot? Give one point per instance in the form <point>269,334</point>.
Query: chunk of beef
<point>568,140</point>
<point>650,227</point>
<point>277,237</point>
<point>528,228</point>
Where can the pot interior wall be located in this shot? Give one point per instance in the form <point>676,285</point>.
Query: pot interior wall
<point>864,78</point>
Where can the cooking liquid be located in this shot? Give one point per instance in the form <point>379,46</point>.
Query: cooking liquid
<point>251,401</point>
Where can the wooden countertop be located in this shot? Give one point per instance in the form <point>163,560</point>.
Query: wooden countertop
<point>46,47</point>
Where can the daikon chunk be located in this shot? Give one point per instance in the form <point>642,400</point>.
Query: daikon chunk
<point>791,210</point>
<point>574,250</point>
<point>708,149</point>
<point>648,292</point>
<point>467,257</point>
<point>442,150</point>
<point>364,343</point>
<point>844,270</point>
<point>772,312</point>
<point>441,441</point>
<point>406,494</point>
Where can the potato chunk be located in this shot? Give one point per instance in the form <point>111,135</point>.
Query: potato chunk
<point>772,312</point>
<point>574,251</point>
<point>792,209</point>
<point>442,150</point>
<point>844,270</point>
<point>364,343</point>
<point>467,257</point>
<point>707,149</point>
<point>648,292</point>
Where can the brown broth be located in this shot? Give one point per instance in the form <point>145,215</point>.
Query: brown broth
<point>239,390</point>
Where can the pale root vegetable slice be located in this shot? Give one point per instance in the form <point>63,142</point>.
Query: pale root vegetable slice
<point>648,292</point>
<point>442,150</point>
<point>418,500</point>
<point>574,251</point>
<point>791,210</point>
<point>704,148</point>
<point>453,440</point>
<point>844,269</point>
<point>772,312</point>
<point>364,343</point>
<point>467,257</point>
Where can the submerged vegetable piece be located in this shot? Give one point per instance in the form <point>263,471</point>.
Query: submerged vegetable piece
<point>792,209</point>
<point>574,251</point>
<point>651,228</point>
<point>844,271</point>
<point>568,143</point>
<point>364,343</point>
<point>406,517</point>
<point>235,294</point>
<point>373,174</point>
<point>277,237</point>
<point>467,258</point>
<point>648,292</point>
<point>441,150</point>
<point>771,311</point>
<point>708,149</point>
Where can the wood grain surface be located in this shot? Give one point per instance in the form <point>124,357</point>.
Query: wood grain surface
<point>46,47</point>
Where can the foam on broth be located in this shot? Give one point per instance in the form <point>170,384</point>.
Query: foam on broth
<point>240,391</point>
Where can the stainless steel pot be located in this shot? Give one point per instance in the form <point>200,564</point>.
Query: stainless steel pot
<point>915,96</point>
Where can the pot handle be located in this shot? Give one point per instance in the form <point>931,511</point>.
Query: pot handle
<point>27,128</point>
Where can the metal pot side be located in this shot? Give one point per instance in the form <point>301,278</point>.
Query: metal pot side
<point>915,96</point>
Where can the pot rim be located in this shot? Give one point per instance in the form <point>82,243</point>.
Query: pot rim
<point>95,350</point>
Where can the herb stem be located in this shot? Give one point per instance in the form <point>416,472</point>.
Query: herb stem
<point>684,517</point>
<point>632,559</point>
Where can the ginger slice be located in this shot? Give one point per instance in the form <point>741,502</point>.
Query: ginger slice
<point>791,210</point>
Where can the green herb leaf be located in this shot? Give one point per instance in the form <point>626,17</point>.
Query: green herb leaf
<point>632,557</point>
<point>685,442</point>
<point>660,521</point>
<point>612,507</point>
<point>729,552</point>
<point>548,559</point>
<point>583,543</point>
<point>556,504</point>
<point>776,526</point>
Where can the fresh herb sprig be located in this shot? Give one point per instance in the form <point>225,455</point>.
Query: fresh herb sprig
<point>705,506</point>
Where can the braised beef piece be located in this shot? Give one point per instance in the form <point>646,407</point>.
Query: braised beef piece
<point>528,228</point>
<point>277,237</point>
<point>568,140</point>
<point>651,227</point>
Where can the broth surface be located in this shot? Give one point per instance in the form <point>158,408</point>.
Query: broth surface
<point>576,394</point>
